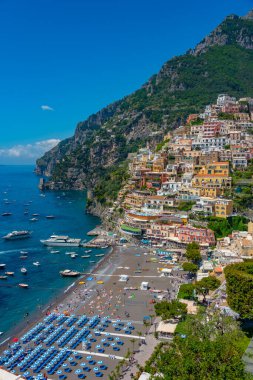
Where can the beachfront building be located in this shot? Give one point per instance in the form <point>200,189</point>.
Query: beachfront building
<point>188,234</point>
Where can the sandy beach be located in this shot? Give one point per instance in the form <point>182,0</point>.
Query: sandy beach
<point>100,293</point>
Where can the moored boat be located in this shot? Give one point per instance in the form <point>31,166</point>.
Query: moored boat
<point>9,273</point>
<point>50,217</point>
<point>24,286</point>
<point>100,255</point>
<point>23,270</point>
<point>36,263</point>
<point>17,235</point>
<point>7,214</point>
<point>54,251</point>
<point>2,266</point>
<point>61,241</point>
<point>85,256</point>
<point>69,273</point>
<point>3,277</point>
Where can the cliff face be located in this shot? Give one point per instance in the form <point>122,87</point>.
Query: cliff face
<point>93,157</point>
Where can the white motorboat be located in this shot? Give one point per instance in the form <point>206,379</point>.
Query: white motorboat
<point>17,235</point>
<point>85,256</point>
<point>36,263</point>
<point>2,266</point>
<point>23,252</point>
<point>88,251</point>
<point>23,270</point>
<point>33,219</point>
<point>61,241</point>
<point>54,251</point>
<point>73,256</point>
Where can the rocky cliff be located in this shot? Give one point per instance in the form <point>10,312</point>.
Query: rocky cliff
<point>95,156</point>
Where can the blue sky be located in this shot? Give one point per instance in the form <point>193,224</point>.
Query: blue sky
<point>76,56</point>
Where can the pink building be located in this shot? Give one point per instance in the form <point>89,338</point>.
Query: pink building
<point>188,234</point>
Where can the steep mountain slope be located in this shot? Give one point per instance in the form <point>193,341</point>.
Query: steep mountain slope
<point>94,157</point>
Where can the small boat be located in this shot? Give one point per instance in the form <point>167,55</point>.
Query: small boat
<point>23,252</point>
<point>7,214</point>
<point>69,273</point>
<point>3,277</point>
<point>23,270</point>
<point>104,247</point>
<point>25,286</point>
<point>100,255</point>
<point>42,195</point>
<point>2,266</point>
<point>36,263</point>
<point>17,235</point>
<point>88,251</point>
<point>54,251</point>
<point>33,219</point>
<point>91,261</point>
<point>74,255</point>
<point>35,214</point>
<point>50,217</point>
<point>85,256</point>
<point>9,273</point>
<point>23,257</point>
<point>26,212</point>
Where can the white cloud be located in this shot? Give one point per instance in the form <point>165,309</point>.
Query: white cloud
<point>46,108</point>
<point>28,152</point>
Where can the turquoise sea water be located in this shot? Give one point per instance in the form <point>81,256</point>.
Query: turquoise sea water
<point>19,185</point>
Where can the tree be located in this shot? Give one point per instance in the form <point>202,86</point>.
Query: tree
<point>239,284</point>
<point>186,291</point>
<point>171,309</point>
<point>206,352</point>
<point>190,267</point>
<point>193,252</point>
<point>206,284</point>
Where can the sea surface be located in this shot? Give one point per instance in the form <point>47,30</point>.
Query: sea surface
<point>19,192</point>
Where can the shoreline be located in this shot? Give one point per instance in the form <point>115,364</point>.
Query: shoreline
<point>35,316</point>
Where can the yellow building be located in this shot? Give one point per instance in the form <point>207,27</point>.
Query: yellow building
<point>223,208</point>
<point>210,192</point>
<point>213,175</point>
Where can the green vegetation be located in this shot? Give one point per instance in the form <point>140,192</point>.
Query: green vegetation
<point>226,116</point>
<point>190,267</point>
<point>247,173</point>
<point>224,227</point>
<point>193,252</point>
<point>109,183</point>
<point>198,121</point>
<point>239,279</point>
<point>186,292</point>
<point>206,284</point>
<point>161,145</point>
<point>185,205</point>
<point>167,310</point>
<point>211,349</point>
